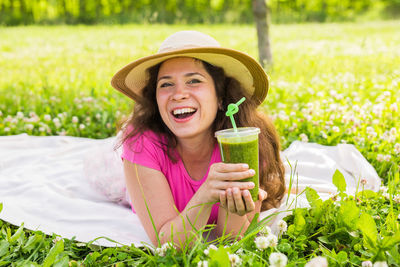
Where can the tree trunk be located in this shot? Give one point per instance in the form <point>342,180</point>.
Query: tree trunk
<point>262,23</point>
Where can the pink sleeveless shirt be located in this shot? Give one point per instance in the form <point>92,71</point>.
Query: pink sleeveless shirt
<point>149,150</point>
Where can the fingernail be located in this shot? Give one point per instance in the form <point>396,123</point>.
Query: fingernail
<point>245,166</point>
<point>251,185</point>
<point>252,172</point>
<point>246,193</point>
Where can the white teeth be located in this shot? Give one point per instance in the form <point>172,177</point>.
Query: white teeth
<point>183,110</point>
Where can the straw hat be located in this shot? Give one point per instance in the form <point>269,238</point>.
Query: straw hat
<point>132,78</point>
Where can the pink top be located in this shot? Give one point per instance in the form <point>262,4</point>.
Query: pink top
<point>148,150</point>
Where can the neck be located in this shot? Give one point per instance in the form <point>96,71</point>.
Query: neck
<point>196,149</point>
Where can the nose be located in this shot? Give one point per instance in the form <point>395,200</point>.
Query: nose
<point>180,92</point>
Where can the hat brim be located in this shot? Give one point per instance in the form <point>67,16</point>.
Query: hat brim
<point>132,78</point>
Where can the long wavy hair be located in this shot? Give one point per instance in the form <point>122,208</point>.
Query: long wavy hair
<point>145,116</point>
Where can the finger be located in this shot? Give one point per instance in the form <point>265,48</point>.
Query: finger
<point>262,195</point>
<point>237,197</point>
<point>223,185</point>
<point>230,201</point>
<point>250,206</point>
<point>230,167</point>
<point>222,199</point>
<point>233,176</point>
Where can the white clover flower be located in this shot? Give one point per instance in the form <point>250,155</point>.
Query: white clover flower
<point>266,230</point>
<point>323,134</point>
<point>377,217</point>
<point>7,129</point>
<point>370,129</point>
<point>397,148</point>
<point>363,181</point>
<point>202,264</point>
<point>29,127</point>
<point>207,250</point>
<point>47,117</point>
<point>62,133</point>
<point>335,129</point>
<point>277,259</point>
<point>366,264</point>
<point>393,107</point>
<point>396,198</point>
<point>383,189</point>
<point>387,158</point>
<point>304,138</point>
<point>380,157</point>
<point>82,126</point>
<point>75,119</point>
<point>235,260</point>
<point>42,129</point>
<point>272,240</point>
<point>317,262</point>
<point>398,216</point>
<point>88,119</point>
<point>386,195</point>
<point>163,249</point>
<point>1,113</point>
<point>56,120</point>
<point>380,264</point>
<point>20,115</point>
<point>282,226</point>
<point>98,116</point>
<point>261,242</point>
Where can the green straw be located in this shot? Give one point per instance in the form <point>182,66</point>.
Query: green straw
<point>233,108</point>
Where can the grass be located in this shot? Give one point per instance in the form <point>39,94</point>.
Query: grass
<point>330,84</point>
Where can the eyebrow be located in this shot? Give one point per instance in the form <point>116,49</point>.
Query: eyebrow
<point>186,75</point>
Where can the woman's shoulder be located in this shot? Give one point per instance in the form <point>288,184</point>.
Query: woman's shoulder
<point>142,138</point>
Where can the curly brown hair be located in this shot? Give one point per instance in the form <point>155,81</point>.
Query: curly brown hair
<point>145,116</point>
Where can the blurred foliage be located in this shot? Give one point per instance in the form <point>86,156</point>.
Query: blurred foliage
<point>17,12</point>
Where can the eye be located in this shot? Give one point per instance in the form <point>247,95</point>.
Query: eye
<point>193,81</point>
<point>165,84</point>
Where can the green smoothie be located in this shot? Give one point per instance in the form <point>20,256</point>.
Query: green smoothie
<point>241,147</point>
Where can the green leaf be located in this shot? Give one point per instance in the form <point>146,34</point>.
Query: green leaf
<point>339,181</point>
<point>368,228</point>
<point>389,241</point>
<point>1,207</point>
<point>313,198</point>
<point>341,257</point>
<point>4,245</point>
<point>299,222</point>
<point>62,262</point>
<point>348,214</point>
<point>367,194</point>
<point>33,240</point>
<point>53,253</point>
<point>219,257</point>
<point>17,234</point>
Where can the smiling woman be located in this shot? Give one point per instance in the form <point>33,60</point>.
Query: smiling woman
<point>172,164</point>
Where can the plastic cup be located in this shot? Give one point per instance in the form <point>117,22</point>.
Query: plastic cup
<point>241,146</point>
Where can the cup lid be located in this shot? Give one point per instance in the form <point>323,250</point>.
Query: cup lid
<point>241,131</point>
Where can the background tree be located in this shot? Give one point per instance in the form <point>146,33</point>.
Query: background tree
<point>261,17</point>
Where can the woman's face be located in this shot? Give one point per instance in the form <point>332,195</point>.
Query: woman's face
<point>186,97</point>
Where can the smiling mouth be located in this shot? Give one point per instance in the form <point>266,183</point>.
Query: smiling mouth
<point>183,113</point>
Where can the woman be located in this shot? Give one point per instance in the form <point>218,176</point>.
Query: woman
<point>172,164</point>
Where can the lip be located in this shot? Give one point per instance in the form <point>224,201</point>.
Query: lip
<point>184,119</point>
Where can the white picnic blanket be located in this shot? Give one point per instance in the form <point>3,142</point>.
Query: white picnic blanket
<point>43,184</point>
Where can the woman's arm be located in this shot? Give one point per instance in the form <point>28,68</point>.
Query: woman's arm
<point>146,185</point>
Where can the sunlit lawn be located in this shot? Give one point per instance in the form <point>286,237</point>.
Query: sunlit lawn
<point>330,84</point>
